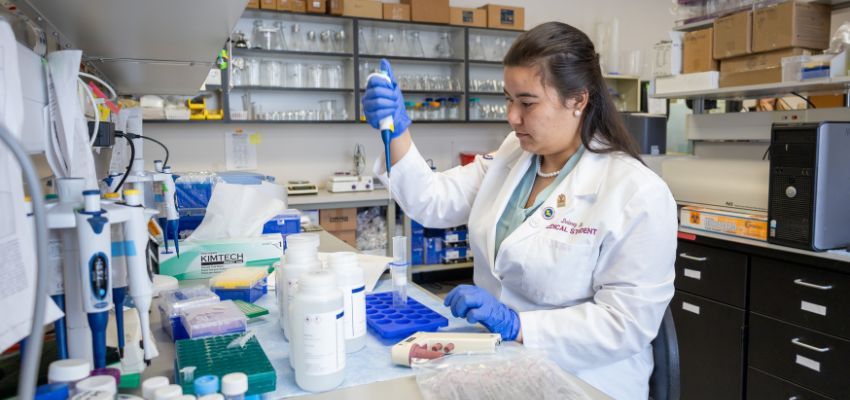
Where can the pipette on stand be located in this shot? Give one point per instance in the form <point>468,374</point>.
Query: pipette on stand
<point>172,218</point>
<point>387,128</point>
<point>95,242</point>
<point>141,285</point>
<point>119,273</point>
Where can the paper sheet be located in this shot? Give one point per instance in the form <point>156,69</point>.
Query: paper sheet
<point>18,266</point>
<point>240,150</point>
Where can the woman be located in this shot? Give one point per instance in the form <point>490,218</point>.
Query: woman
<point>574,238</point>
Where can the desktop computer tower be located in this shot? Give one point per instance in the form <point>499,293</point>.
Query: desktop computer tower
<point>809,190</point>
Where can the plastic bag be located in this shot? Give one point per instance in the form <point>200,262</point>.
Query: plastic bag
<point>840,39</point>
<point>513,372</point>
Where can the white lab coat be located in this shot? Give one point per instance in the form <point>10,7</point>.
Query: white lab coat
<point>590,277</point>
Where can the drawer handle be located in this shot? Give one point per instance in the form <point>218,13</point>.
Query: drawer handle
<point>693,258</point>
<point>811,285</point>
<point>808,346</point>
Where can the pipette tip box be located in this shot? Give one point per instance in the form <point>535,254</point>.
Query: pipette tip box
<point>172,303</point>
<point>389,323</point>
<point>213,320</point>
<point>210,356</point>
<point>240,283</point>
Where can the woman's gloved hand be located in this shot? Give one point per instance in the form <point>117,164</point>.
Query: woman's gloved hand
<point>477,305</point>
<point>383,98</point>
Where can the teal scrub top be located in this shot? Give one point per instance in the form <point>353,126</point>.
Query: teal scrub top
<point>515,212</point>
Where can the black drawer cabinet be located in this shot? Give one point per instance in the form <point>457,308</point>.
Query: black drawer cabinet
<point>713,273</point>
<point>810,359</point>
<point>711,347</point>
<point>763,386</point>
<point>810,297</point>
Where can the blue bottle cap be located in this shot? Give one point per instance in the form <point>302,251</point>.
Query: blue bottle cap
<point>253,397</point>
<point>52,391</point>
<point>207,384</point>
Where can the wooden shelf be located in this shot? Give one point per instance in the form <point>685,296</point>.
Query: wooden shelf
<point>814,86</point>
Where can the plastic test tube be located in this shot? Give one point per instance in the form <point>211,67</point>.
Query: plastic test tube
<point>398,271</point>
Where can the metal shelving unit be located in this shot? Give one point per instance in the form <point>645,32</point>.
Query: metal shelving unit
<point>838,85</point>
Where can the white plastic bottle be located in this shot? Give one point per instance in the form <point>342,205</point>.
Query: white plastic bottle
<point>68,371</point>
<point>234,386</point>
<point>353,286</point>
<point>302,255</point>
<point>98,383</point>
<point>318,337</point>
<point>150,385</point>
<point>170,392</point>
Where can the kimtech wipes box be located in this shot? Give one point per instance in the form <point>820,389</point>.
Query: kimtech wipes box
<point>203,259</point>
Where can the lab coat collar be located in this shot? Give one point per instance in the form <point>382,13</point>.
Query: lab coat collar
<point>590,172</point>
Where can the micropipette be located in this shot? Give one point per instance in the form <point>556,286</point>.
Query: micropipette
<point>141,284</point>
<point>387,128</point>
<point>95,242</point>
<point>119,273</point>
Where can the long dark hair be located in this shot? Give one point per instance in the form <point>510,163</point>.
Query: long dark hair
<point>569,63</point>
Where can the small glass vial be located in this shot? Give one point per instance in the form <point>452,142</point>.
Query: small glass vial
<point>474,109</point>
<point>234,386</point>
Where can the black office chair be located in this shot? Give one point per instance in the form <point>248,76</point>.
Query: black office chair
<point>664,381</point>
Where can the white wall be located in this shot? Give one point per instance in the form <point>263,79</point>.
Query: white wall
<point>314,152</point>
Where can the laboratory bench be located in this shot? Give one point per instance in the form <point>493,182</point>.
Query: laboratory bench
<point>756,320</point>
<point>375,380</point>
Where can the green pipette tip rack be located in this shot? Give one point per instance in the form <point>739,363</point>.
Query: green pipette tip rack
<point>210,356</point>
<point>250,310</point>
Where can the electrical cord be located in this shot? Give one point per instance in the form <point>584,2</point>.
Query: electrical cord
<point>165,163</point>
<point>130,163</point>
<point>32,354</point>
<point>94,109</point>
<point>812,105</point>
<point>103,83</point>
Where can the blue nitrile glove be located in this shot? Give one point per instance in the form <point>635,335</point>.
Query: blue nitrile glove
<point>477,305</point>
<point>384,99</point>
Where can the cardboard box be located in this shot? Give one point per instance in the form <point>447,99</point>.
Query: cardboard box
<point>504,17</point>
<point>284,5</point>
<point>349,237</point>
<point>335,7</point>
<point>791,24</point>
<point>203,259</point>
<point>476,17</point>
<point>755,69</point>
<point>668,56</point>
<point>397,12</point>
<point>338,219</point>
<point>436,11</point>
<point>362,9</point>
<point>253,4</point>
<point>750,226</point>
<point>697,81</point>
<point>733,35</point>
<point>268,4</point>
<point>698,52</point>
<point>316,6</point>
<point>299,6</point>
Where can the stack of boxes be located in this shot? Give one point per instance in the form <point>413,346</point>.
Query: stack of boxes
<point>746,48</point>
<point>340,222</point>
<point>430,11</point>
<point>439,246</point>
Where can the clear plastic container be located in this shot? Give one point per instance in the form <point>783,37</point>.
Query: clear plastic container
<point>318,337</point>
<point>174,302</point>
<point>353,286</point>
<point>240,283</point>
<point>792,67</point>
<point>214,320</point>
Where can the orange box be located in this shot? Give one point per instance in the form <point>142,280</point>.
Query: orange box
<point>436,11</point>
<point>268,4</point>
<point>284,5</point>
<point>362,9</point>
<point>733,35</point>
<point>397,12</point>
<point>253,4</point>
<point>316,6</point>
<point>791,24</point>
<point>338,219</point>
<point>299,6</point>
<point>335,7</point>
<point>504,17</point>
<point>698,52</point>
<point>750,226</point>
<point>476,17</point>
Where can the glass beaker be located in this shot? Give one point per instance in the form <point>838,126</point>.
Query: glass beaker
<point>314,76</point>
<point>252,68</point>
<point>332,76</point>
<point>364,44</point>
<point>327,110</point>
<point>237,75</point>
<point>476,51</point>
<point>296,38</point>
<point>295,75</point>
<point>270,73</point>
<point>415,45</point>
<point>257,34</point>
<point>281,38</point>
<point>326,41</point>
<point>444,47</point>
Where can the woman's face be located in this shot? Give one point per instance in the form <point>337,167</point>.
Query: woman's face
<point>544,124</point>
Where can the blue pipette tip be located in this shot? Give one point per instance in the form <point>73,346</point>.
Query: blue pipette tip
<point>172,230</point>
<point>97,323</point>
<point>118,295</point>
<point>59,328</point>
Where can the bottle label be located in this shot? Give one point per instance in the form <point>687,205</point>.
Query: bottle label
<point>324,343</point>
<point>355,311</point>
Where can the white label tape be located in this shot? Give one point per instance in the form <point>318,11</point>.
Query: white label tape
<point>808,363</point>
<point>693,274</point>
<point>813,308</point>
<point>690,307</point>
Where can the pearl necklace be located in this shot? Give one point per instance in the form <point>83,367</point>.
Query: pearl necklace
<point>545,174</point>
